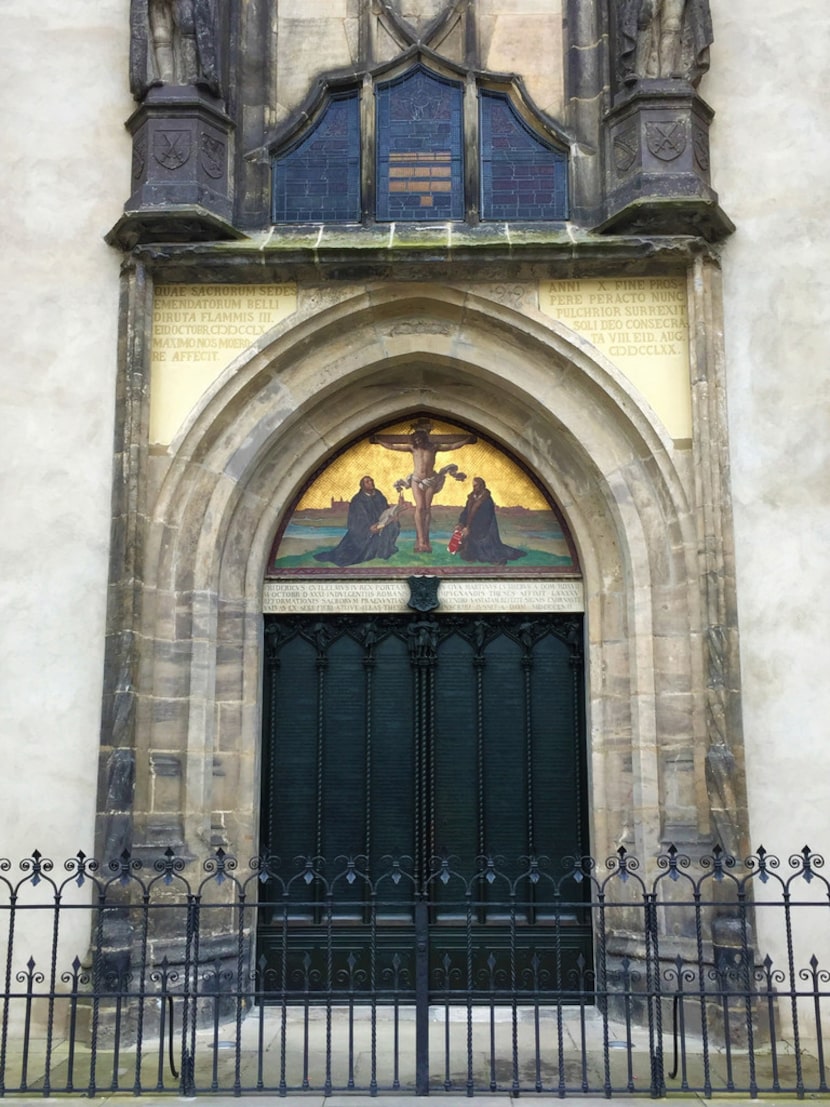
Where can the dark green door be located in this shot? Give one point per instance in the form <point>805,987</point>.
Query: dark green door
<point>411,758</point>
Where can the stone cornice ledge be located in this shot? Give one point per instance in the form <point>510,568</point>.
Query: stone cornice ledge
<point>406,252</point>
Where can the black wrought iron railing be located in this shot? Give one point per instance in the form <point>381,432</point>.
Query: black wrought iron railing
<point>189,977</point>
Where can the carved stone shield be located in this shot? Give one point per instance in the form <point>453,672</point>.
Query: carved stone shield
<point>212,156</point>
<point>626,147</point>
<point>423,593</point>
<point>171,148</point>
<point>667,141</point>
<point>139,155</point>
<point>700,144</point>
<point>418,15</point>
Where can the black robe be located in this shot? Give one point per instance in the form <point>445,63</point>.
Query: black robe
<point>483,542</point>
<point>359,543</point>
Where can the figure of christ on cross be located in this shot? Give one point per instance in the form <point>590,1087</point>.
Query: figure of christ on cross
<point>424,481</point>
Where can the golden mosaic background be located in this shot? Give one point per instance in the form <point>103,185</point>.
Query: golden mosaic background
<point>508,483</point>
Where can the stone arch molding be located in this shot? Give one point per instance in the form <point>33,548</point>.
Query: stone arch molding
<point>315,383</point>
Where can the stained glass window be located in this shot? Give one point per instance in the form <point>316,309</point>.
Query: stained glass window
<point>420,141</point>
<point>521,176</point>
<point>420,152</point>
<point>318,181</point>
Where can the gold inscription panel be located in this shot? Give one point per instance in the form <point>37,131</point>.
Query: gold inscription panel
<point>642,325</point>
<point>197,331</point>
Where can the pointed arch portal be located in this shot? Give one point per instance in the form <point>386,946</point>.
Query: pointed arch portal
<point>201,609</point>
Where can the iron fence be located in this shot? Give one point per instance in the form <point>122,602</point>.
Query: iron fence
<point>174,975</point>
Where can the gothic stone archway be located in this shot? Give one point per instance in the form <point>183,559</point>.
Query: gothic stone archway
<point>194,525</point>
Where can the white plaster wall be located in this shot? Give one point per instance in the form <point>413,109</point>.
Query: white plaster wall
<point>771,165</point>
<point>65,167</point>
<point>65,173</point>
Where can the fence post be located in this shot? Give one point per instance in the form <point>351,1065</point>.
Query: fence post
<point>654,1008</point>
<point>421,997</point>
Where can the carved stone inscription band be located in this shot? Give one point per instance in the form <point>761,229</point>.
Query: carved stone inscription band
<point>456,596</point>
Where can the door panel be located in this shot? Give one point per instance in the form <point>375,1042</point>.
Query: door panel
<point>437,741</point>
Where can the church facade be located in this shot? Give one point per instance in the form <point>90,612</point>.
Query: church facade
<point>587,274</point>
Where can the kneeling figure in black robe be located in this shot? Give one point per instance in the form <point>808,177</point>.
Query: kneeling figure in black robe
<point>480,538</point>
<point>366,536</point>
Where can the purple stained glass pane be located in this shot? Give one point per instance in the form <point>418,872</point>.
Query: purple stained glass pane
<point>318,179</point>
<point>522,176</point>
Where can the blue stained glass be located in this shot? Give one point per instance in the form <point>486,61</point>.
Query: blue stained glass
<point>318,181</point>
<point>521,176</point>
<point>420,144</point>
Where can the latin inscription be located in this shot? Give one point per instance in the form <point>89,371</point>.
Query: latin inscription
<point>197,331</point>
<point>642,325</point>
<point>298,597</point>
<point>193,323</point>
<point>643,317</point>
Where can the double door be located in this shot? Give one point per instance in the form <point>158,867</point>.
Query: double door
<point>423,780</point>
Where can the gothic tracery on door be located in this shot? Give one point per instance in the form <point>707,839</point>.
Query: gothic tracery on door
<point>422,745</point>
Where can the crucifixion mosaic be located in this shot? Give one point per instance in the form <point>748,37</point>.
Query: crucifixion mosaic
<point>423,495</point>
